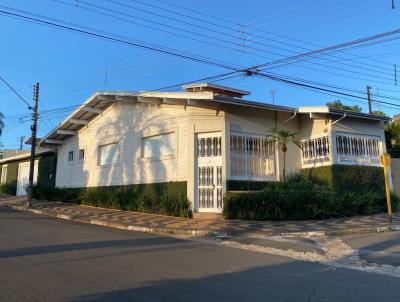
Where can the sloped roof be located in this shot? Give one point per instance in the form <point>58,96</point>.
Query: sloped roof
<point>101,100</point>
<point>335,111</point>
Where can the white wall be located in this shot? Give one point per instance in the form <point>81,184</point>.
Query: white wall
<point>125,124</point>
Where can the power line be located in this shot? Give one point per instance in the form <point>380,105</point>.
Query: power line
<point>110,37</point>
<point>239,25</point>
<point>233,36</point>
<point>304,59</point>
<point>16,93</point>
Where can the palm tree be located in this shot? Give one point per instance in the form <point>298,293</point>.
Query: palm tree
<point>283,138</point>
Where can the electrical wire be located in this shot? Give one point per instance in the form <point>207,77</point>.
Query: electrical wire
<point>16,93</point>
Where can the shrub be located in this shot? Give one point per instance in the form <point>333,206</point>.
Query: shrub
<point>345,178</point>
<point>10,188</point>
<point>161,198</point>
<point>297,198</point>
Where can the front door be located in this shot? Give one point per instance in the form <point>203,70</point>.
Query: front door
<point>209,172</point>
<point>23,177</point>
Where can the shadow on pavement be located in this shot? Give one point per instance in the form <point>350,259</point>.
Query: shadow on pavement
<point>153,242</point>
<point>296,281</point>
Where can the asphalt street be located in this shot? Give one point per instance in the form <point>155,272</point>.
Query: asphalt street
<point>381,248</point>
<point>46,259</point>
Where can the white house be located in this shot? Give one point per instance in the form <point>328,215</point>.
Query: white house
<point>204,136</point>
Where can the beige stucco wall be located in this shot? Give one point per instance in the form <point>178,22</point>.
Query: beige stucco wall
<point>125,124</point>
<point>313,126</point>
<point>255,121</point>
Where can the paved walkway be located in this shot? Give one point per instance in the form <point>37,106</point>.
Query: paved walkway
<point>201,226</point>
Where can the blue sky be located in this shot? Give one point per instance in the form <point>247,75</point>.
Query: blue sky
<point>71,67</point>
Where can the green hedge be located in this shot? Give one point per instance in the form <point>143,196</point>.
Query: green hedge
<point>300,199</point>
<point>159,198</point>
<point>10,187</point>
<point>344,178</point>
<point>246,185</point>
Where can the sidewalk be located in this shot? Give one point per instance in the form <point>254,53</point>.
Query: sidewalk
<point>203,226</point>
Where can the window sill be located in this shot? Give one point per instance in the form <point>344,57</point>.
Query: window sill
<point>108,165</point>
<point>158,158</point>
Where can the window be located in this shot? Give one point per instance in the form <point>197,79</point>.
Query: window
<point>158,145</point>
<point>3,174</point>
<point>358,149</point>
<point>70,155</point>
<point>315,148</point>
<point>108,154</point>
<point>252,156</point>
<point>209,146</point>
<point>357,146</point>
<point>81,154</point>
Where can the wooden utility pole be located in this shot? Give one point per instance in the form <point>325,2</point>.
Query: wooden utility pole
<point>369,99</point>
<point>33,146</point>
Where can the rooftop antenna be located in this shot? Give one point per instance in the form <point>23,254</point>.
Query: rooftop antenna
<point>105,77</point>
<point>273,93</point>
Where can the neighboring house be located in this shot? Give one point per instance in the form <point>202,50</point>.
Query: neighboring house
<point>204,136</point>
<point>11,153</point>
<point>14,177</point>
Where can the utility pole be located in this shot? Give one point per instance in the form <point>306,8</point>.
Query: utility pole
<point>369,99</point>
<point>21,141</point>
<point>33,146</point>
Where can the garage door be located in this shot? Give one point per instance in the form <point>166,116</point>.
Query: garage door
<point>23,177</point>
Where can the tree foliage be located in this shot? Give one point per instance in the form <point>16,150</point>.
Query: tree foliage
<point>339,105</point>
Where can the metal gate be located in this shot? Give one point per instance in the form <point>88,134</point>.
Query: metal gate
<point>209,172</point>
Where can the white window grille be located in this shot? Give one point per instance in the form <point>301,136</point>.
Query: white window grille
<point>315,150</point>
<point>358,149</point>
<point>252,157</point>
<point>108,154</point>
<point>209,146</point>
<point>3,174</point>
<point>158,145</point>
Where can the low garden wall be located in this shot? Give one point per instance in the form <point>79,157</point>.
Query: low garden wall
<point>169,198</point>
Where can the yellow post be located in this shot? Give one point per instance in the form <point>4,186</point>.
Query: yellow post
<point>385,160</point>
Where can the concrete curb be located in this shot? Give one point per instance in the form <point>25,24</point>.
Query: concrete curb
<point>206,233</point>
<point>388,228</point>
<point>134,228</point>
